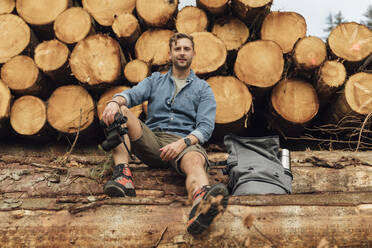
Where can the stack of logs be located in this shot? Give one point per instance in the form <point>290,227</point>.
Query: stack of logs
<point>62,60</point>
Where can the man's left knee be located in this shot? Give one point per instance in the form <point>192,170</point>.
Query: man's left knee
<point>193,158</point>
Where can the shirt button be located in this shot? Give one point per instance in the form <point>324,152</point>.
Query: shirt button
<point>171,118</point>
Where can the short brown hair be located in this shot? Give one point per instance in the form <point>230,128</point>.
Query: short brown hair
<point>178,36</point>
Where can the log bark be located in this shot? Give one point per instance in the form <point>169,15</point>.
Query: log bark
<point>5,101</point>
<point>97,59</point>
<point>7,6</point>
<point>15,39</point>
<point>136,71</point>
<point>210,55</point>
<point>285,28</point>
<point>351,41</point>
<point>153,46</point>
<point>309,53</point>
<point>73,25</point>
<point>70,109</point>
<point>107,96</point>
<point>23,77</point>
<point>157,13</point>
<point>259,63</point>
<point>52,58</point>
<point>233,32</point>
<point>216,7</point>
<point>105,12</point>
<point>28,116</point>
<point>191,19</point>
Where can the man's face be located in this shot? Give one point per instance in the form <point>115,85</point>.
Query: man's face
<point>181,53</point>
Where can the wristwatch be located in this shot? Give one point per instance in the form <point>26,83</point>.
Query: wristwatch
<point>187,141</point>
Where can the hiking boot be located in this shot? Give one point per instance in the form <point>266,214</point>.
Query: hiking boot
<point>209,202</point>
<point>121,183</point>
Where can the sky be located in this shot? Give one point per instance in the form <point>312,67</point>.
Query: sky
<point>316,12</point>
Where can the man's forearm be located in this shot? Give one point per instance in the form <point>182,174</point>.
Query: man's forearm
<point>119,100</point>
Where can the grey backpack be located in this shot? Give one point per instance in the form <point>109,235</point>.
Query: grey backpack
<point>255,167</point>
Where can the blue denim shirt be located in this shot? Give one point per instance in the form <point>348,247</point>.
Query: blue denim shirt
<point>192,111</point>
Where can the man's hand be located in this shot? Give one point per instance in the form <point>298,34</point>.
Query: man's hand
<point>109,113</point>
<point>172,150</point>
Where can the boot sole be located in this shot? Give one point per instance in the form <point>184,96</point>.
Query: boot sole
<point>114,189</point>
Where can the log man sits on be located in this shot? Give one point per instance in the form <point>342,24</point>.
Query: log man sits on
<point>181,116</point>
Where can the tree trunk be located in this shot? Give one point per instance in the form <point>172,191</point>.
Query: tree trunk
<point>191,19</point>
<point>210,55</point>
<point>22,76</point>
<point>70,109</point>
<point>105,12</point>
<point>153,46</point>
<point>107,96</point>
<point>216,7</point>
<point>42,14</point>
<point>5,100</point>
<point>295,103</point>
<point>259,63</point>
<point>7,6</point>
<point>28,116</point>
<point>16,39</point>
<point>97,59</point>
<point>233,32</point>
<point>157,13</point>
<point>309,53</point>
<point>136,71</point>
<point>285,28</point>
<point>329,78</point>
<point>52,58</point>
<point>73,25</point>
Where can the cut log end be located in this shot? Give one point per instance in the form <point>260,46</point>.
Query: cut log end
<point>28,115</point>
<point>295,101</point>
<point>191,19</point>
<point>351,41</point>
<point>358,93</point>
<point>259,63</point>
<point>126,26</point>
<point>70,107</point>
<point>51,55</point>
<point>136,71</point>
<point>14,37</point>
<point>233,98</point>
<point>156,13</point>
<point>72,25</point>
<point>107,96</point>
<point>5,99</point>
<point>96,59</point>
<point>42,13</point>
<point>6,6</point>
<point>105,12</point>
<point>232,32</point>
<point>210,51</point>
<point>332,74</point>
<point>215,7</point>
<point>20,73</point>
<point>285,28</point>
<point>310,52</point>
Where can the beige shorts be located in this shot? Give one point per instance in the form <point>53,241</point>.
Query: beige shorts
<point>146,148</point>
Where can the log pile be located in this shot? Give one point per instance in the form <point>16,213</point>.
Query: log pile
<point>297,86</point>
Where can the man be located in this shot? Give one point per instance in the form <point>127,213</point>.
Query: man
<point>181,115</point>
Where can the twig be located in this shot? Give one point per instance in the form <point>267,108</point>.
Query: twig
<point>161,237</point>
<point>263,235</point>
<point>361,130</point>
<point>67,155</point>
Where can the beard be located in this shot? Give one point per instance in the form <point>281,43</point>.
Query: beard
<point>183,66</point>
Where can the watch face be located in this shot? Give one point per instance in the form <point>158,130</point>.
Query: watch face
<point>187,141</point>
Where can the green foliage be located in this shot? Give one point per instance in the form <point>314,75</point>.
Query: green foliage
<point>333,21</point>
<point>368,17</point>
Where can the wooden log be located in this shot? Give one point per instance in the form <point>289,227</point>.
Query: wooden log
<point>5,101</point>
<point>210,55</point>
<point>191,19</point>
<point>309,52</point>
<point>97,59</point>
<point>28,116</point>
<point>329,78</point>
<point>234,103</point>
<point>136,71</point>
<point>42,14</point>
<point>259,63</point>
<point>285,28</point>
<point>105,12</point>
<point>7,6</point>
<point>70,109</point>
<point>73,25</point>
<point>52,58</point>
<point>295,103</point>
<point>157,13</point>
<point>107,96</point>
<point>15,37</point>
<point>217,7</point>
<point>29,82</point>
<point>233,32</point>
<point>350,41</point>
<point>153,46</point>
<point>126,28</point>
